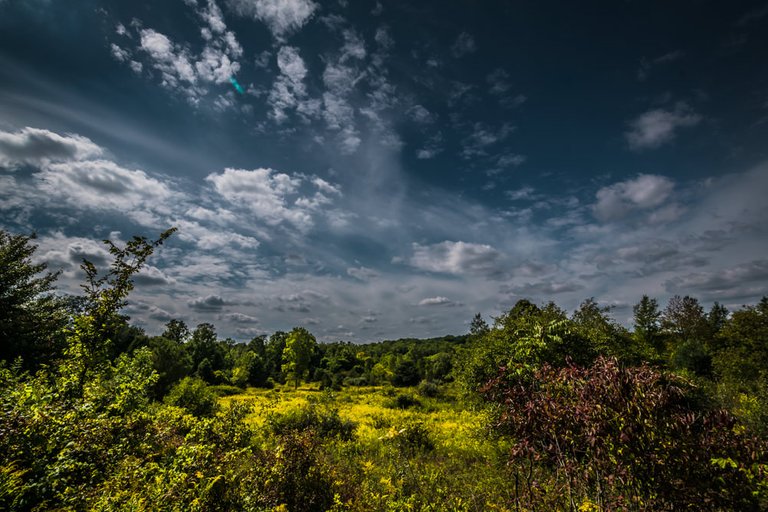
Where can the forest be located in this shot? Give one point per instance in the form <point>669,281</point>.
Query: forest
<point>537,409</point>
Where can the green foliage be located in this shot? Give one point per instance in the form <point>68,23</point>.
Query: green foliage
<point>171,361</point>
<point>428,389</point>
<point>647,329</point>
<point>413,438</point>
<point>176,330</point>
<point>297,354</point>
<point>31,317</point>
<point>193,395</point>
<point>521,340</point>
<point>406,373</point>
<point>324,422</point>
<point>403,401</point>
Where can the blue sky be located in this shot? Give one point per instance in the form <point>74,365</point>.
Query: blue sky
<point>390,168</point>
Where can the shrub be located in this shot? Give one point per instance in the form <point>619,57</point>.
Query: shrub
<point>323,421</point>
<point>403,401</point>
<point>194,395</point>
<point>225,390</point>
<point>413,438</point>
<point>630,437</point>
<point>428,389</point>
<point>296,480</point>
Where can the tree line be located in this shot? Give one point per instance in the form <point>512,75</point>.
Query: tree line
<point>598,414</point>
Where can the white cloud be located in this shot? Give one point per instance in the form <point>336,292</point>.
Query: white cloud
<point>354,47</point>
<point>464,45</point>
<point>119,54</point>
<point>174,63</point>
<point>362,273</point>
<point>34,146</point>
<point>421,115</point>
<point>102,184</point>
<point>288,91</point>
<point>181,69</point>
<point>273,196</point>
<point>282,17</point>
<point>432,147</point>
<point>456,258</point>
<point>499,81</point>
<point>208,303</point>
<point>436,301</point>
<point>240,318</point>
<point>658,127</point>
<point>482,137</point>
<point>645,192</point>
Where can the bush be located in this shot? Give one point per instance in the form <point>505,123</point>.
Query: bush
<point>428,389</point>
<point>225,390</point>
<point>629,436</point>
<point>413,438</point>
<point>323,421</point>
<point>297,481</point>
<point>402,401</point>
<point>193,395</point>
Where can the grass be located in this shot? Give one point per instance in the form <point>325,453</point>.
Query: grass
<point>462,468</point>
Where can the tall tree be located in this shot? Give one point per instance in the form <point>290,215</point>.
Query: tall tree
<point>31,317</point>
<point>684,318</point>
<point>207,354</point>
<point>647,325</point>
<point>176,330</point>
<point>297,355</point>
<point>478,327</point>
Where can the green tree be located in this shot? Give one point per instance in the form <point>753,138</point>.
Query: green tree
<point>297,355</point>
<point>274,355</point>
<point>207,353</point>
<point>31,317</point>
<point>176,330</point>
<point>647,326</point>
<point>478,327</point>
<point>686,324</point>
<point>89,336</point>
<point>599,332</point>
<point>171,362</point>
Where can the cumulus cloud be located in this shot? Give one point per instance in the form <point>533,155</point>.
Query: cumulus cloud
<point>209,303</point>
<point>289,92</point>
<point>240,318</point>
<point>645,192</point>
<point>657,127</point>
<point>275,197</point>
<point>68,252</point>
<point>282,17</point>
<point>180,69</point>
<point>101,184</point>
<point>34,146</point>
<point>456,258</point>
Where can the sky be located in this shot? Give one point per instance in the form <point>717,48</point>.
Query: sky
<point>373,170</point>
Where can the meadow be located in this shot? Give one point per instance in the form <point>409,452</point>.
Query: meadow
<point>406,451</point>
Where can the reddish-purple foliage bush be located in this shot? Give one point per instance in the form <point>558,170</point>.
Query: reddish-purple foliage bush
<point>628,438</point>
